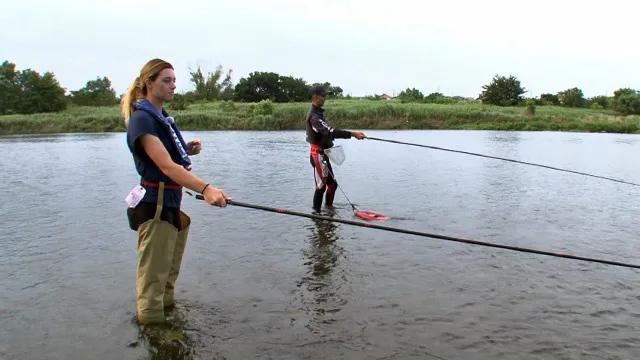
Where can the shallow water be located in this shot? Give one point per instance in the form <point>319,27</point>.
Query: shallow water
<point>263,285</point>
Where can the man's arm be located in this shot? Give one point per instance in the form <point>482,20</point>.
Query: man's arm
<point>323,128</point>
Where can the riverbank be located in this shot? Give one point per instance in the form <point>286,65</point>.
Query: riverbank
<point>360,114</point>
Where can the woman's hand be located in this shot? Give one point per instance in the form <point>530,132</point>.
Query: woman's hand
<point>215,196</point>
<point>194,146</point>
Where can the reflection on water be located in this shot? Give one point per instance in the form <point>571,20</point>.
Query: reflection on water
<point>323,279</point>
<point>322,253</point>
<point>627,141</point>
<point>504,137</point>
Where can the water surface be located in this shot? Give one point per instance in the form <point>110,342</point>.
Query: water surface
<point>262,285</point>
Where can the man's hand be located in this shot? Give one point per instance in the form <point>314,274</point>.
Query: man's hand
<point>358,135</point>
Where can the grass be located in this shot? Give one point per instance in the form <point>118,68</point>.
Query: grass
<point>350,114</point>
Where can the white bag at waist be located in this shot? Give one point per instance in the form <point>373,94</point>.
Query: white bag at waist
<point>335,154</point>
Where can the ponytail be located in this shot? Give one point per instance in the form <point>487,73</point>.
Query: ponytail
<point>132,94</point>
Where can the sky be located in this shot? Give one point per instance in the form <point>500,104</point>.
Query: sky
<point>364,46</point>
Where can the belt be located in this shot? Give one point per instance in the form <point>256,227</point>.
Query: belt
<point>157,184</point>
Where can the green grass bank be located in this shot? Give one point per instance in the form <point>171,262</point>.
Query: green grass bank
<point>349,114</point>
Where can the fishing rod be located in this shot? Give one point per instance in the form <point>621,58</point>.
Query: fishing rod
<point>504,159</point>
<point>423,234</point>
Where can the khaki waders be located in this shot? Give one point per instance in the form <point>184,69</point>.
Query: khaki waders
<point>160,249</point>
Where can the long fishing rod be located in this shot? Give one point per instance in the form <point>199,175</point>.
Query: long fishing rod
<point>423,234</point>
<point>505,159</point>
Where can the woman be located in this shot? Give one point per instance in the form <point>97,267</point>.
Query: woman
<point>161,157</point>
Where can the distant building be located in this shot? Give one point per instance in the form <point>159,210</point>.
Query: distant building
<point>386,97</point>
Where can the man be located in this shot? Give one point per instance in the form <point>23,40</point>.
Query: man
<point>320,135</point>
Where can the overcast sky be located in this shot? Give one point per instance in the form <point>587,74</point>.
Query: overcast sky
<point>364,46</point>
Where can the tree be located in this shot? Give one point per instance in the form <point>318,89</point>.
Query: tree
<point>599,102</point>
<point>293,89</point>
<point>210,87</point>
<point>28,92</point>
<point>572,98</point>
<point>336,91</point>
<point>434,97</point>
<point>503,91</point>
<point>9,89</point>
<point>39,93</point>
<point>410,95</point>
<point>271,86</point>
<point>626,101</point>
<point>549,99</point>
<point>96,92</point>
<point>258,86</point>
<point>227,87</point>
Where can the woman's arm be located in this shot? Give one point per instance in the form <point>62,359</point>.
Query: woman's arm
<point>159,155</point>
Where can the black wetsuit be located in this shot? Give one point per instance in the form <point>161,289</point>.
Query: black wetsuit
<point>321,135</point>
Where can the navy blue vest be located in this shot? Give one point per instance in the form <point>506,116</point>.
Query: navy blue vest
<point>146,119</point>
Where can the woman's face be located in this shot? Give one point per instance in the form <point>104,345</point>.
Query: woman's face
<point>163,87</point>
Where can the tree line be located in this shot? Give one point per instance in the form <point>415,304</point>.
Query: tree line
<point>27,92</point>
<point>508,91</point>
<point>256,87</point>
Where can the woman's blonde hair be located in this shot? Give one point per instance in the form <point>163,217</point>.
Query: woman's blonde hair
<point>138,88</point>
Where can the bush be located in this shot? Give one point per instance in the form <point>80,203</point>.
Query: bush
<point>599,102</point>
<point>530,110</point>
<point>549,99</point>
<point>439,98</point>
<point>572,98</point>
<point>96,92</point>
<point>227,106</point>
<point>502,91</point>
<point>179,102</point>
<point>410,95</point>
<point>264,107</point>
<point>629,104</point>
<point>626,101</point>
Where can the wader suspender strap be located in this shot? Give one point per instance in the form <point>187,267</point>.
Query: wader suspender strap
<point>160,200</point>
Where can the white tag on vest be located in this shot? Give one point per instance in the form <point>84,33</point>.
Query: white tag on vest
<point>135,195</point>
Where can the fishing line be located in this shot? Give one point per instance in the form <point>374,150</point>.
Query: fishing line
<point>505,159</point>
<point>362,214</point>
<point>424,234</point>
<point>355,209</point>
<point>339,187</point>
<point>367,215</point>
